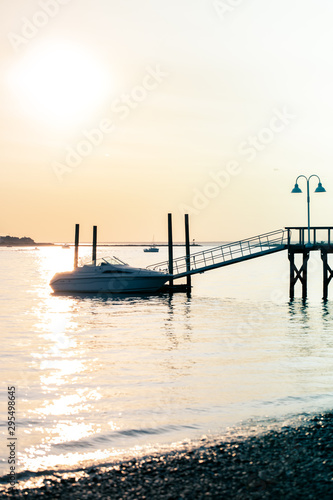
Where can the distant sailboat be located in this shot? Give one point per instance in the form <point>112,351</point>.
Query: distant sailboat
<point>194,244</point>
<point>152,248</point>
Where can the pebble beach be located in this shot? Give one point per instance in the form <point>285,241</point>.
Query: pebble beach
<point>295,462</point>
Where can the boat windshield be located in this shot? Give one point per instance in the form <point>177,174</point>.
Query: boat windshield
<point>114,261</point>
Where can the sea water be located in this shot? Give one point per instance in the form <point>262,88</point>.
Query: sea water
<point>98,378</point>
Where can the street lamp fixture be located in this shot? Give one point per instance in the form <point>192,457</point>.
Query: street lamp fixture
<point>319,189</point>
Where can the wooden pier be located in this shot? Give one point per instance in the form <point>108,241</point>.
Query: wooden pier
<point>291,239</point>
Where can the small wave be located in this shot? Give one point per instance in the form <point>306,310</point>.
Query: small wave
<point>114,437</point>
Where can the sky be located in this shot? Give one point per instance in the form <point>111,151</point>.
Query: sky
<point>116,112</point>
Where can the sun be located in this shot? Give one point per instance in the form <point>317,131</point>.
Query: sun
<point>60,83</point>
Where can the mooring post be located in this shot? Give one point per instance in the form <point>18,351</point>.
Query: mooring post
<point>188,255</point>
<point>94,247</point>
<point>76,247</point>
<point>170,246</point>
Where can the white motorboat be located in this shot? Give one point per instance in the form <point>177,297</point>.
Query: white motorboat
<point>108,275</point>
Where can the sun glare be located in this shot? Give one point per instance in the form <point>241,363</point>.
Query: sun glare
<point>61,84</point>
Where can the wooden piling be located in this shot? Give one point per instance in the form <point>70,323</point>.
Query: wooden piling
<point>76,245</point>
<point>170,247</point>
<point>94,247</point>
<point>305,275</point>
<point>291,257</point>
<point>188,255</point>
<point>327,271</point>
<point>325,274</point>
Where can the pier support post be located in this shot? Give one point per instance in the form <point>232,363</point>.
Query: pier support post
<point>327,273</point>
<point>170,246</point>
<point>94,247</point>
<point>188,255</point>
<point>298,274</point>
<point>76,245</point>
<point>291,257</point>
<point>305,274</point>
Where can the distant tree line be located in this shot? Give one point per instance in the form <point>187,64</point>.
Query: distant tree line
<point>13,240</point>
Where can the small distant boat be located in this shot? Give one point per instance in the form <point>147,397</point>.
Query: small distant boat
<point>194,244</point>
<point>65,245</point>
<point>152,248</point>
<point>109,275</point>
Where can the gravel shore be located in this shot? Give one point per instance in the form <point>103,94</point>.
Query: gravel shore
<point>293,463</point>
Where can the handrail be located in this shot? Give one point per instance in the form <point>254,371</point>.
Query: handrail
<point>227,253</point>
<point>317,235</point>
<point>311,227</point>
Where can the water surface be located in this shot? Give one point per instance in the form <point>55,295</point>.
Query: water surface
<point>101,377</point>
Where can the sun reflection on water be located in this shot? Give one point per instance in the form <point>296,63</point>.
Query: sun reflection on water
<point>70,404</point>
<point>60,367</point>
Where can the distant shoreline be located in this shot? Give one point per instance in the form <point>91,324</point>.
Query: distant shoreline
<point>20,245</point>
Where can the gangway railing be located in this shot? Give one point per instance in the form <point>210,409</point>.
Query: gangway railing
<point>226,254</point>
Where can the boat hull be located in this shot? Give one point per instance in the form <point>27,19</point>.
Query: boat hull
<point>107,284</point>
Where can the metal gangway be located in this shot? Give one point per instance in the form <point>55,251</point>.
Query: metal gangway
<point>226,254</point>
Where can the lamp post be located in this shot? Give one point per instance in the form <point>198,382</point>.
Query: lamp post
<point>319,189</point>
